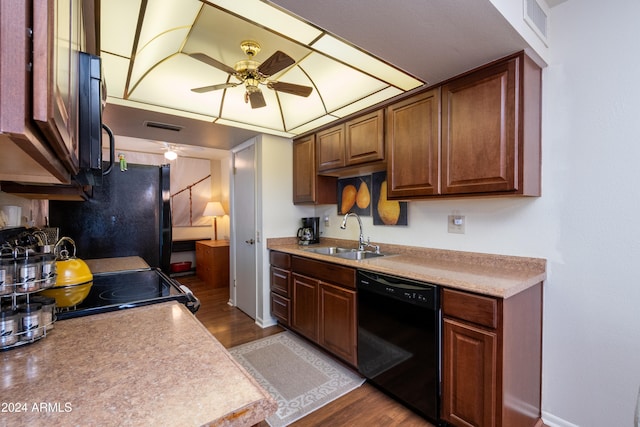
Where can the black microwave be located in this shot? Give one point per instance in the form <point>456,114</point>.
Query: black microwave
<point>90,126</point>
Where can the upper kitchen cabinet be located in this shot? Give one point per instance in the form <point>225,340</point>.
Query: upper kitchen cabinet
<point>330,148</point>
<point>477,134</point>
<point>39,87</point>
<point>364,140</point>
<point>413,145</point>
<point>308,186</point>
<point>491,130</point>
<point>357,141</point>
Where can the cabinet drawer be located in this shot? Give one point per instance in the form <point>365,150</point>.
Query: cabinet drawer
<point>280,260</point>
<point>281,281</point>
<point>470,307</point>
<point>281,308</point>
<point>326,271</point>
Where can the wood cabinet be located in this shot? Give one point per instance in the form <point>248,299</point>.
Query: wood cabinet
<point>330,148</point>
<point>337,321</point>
<point>486,140</point>
<point>357,141</point>
<point>38,91</point>
<point>492,352</point>
<point>212,262</point>
<point>304,313</point>
<point>308,186</point>
<point>324,306</point>
<point>280,274</point>
<point>413,146</point>
<point>364,139</point>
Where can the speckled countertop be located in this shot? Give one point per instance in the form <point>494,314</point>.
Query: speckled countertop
<point>495,275</point>
<point>105,265</point>
<point>152,365</point>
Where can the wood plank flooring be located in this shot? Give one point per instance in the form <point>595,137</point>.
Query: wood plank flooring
<point>365,406</point>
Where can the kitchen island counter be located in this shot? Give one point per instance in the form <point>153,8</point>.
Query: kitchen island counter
<point>152,365</point>
<point>499,276</point>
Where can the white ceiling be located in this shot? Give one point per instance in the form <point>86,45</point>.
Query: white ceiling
<point>431,40</point>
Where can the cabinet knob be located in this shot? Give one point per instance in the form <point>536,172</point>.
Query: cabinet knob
<point>250,241</point>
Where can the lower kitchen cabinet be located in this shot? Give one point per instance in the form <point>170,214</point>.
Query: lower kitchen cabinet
<point>337,321</point>
<point>280,274</point>
<point>212,262</point>
<point>492,359</point>
<point>323,306</point>
<point>304,315</point>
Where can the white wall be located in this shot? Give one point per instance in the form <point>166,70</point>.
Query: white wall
<point>278,217</point>
<point>584,222</point>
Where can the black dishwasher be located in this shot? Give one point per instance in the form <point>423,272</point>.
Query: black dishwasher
<point>399,333</point>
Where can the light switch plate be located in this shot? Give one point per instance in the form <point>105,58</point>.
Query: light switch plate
<point>456,224</point>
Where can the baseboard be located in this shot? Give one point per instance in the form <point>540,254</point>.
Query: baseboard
<point>265,324</point>
<point>551,420</point>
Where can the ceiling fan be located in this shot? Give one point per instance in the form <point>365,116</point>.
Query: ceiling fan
<point>252,74</point>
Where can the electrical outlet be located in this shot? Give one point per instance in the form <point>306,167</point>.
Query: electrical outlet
<point>456,224</point>
<point>327,223</point>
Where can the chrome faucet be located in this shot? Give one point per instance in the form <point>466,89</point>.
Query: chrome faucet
<point>361,243</point>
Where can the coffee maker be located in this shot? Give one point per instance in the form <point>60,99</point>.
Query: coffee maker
<point>310,231</point>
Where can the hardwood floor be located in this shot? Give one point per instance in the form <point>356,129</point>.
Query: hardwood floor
<point>365,406</point>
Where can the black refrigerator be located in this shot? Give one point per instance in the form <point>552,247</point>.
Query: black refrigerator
<point>128,215</point>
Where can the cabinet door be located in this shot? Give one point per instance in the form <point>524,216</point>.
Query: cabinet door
<point>57,38</point>
<point>308,186</point>
<point>330,148</point>
<point>304,316</point>
<point>365,138</point>
<point>304,170</point>
<point>469,376</point>
<point>338,321</point>
<point>479,131</point>
<point>413,141</point>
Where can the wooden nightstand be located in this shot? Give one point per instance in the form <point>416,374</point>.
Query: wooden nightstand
<point>212,262</point>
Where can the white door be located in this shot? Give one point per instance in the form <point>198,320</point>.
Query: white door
<point>244,194</point>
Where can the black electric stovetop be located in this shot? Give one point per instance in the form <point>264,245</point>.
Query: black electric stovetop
<point>129,289</point>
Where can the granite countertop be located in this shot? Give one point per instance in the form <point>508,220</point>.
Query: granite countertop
<point>494,275</point>
<point>152,365</point>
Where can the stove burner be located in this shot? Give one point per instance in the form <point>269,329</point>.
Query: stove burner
<point>128,294</point>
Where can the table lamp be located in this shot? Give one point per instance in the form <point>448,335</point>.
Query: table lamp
<point>215,210</point>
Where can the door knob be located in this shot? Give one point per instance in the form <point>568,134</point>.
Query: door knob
<point>250,241</point>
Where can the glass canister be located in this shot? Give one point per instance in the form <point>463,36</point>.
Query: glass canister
<point>7,275</point>
<point>29,315</point>
<point>28,273</point>
<point>48,271</point>
<point>8,327</point>
<point>48,313</point>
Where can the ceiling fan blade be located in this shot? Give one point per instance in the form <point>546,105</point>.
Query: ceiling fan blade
<point>291,88</point>
<point>257,99</point>
<point>214,87</point>
<point>213,62</point>
<point>276,62</point>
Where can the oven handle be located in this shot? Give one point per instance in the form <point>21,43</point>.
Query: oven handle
<point>194,303</point>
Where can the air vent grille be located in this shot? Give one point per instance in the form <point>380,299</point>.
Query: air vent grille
<point>537,16</point>
<point>164,126</point>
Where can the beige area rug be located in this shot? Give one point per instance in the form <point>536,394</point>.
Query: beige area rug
<point>299,376</point>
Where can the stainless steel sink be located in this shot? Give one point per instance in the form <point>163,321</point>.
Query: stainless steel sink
<point>329,250</point>
<point>344,252</point>
<point>359,254</point>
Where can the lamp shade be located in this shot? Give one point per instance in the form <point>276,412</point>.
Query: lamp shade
<point>214,209</point>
